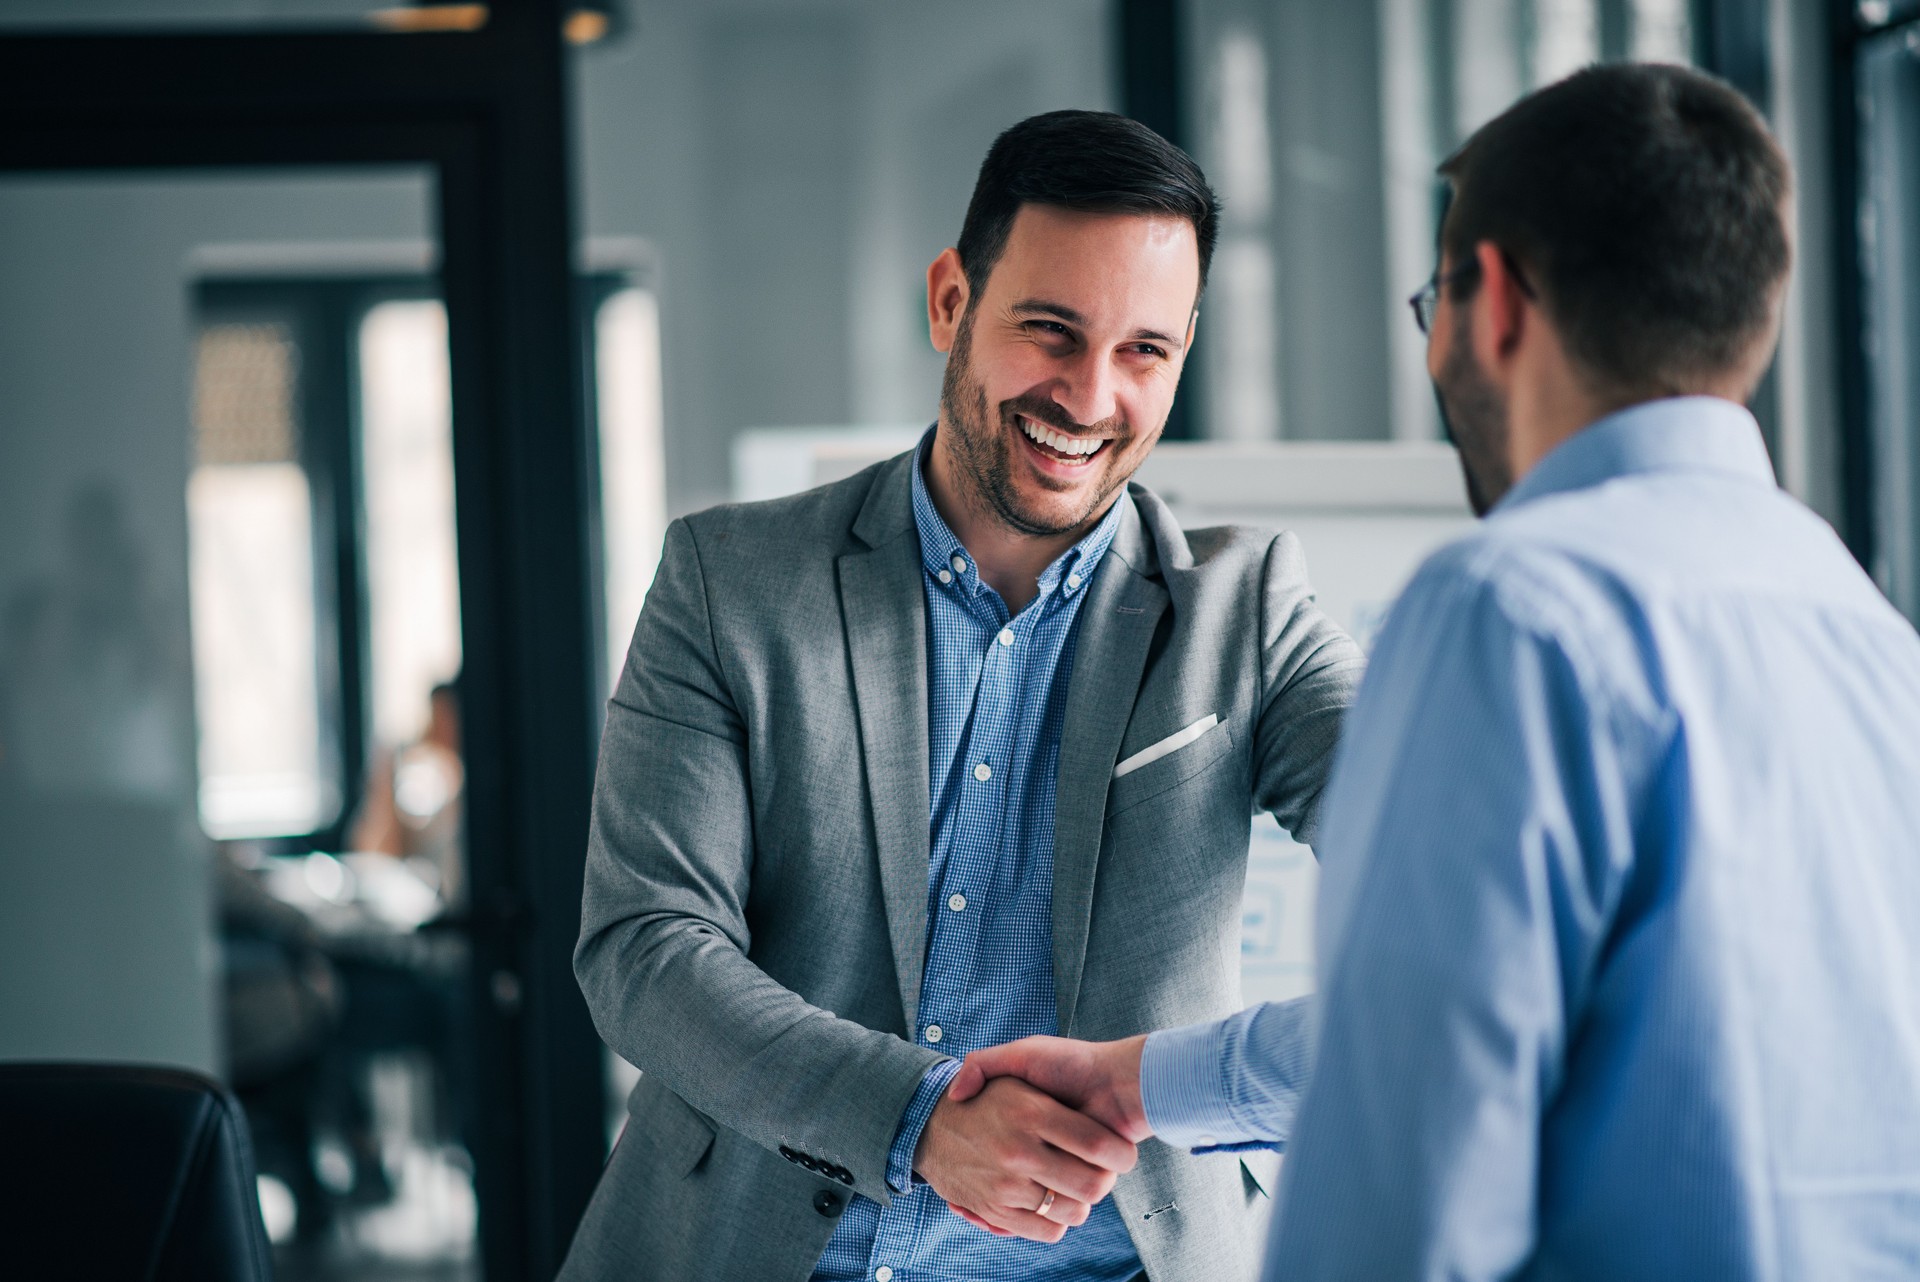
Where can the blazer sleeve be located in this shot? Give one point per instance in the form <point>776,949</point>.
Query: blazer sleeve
<point>1310,674</point>
<point>663,952</point>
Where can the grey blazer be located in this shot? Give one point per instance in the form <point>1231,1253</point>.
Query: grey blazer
<point>754,922</point>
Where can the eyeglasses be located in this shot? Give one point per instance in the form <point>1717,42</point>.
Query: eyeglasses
<point>1426,300</point>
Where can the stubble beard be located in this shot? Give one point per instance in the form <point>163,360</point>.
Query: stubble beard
<point>1475,414</point>
<point>982,447</point>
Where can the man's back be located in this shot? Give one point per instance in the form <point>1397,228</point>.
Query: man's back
<point>1668,935</point>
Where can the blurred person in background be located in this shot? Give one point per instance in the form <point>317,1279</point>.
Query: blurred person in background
<point>871,744</point>
<point>414,805</point>
<point>1619,932</point>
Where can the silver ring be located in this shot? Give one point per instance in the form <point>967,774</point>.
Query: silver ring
<point>1046,1203</point>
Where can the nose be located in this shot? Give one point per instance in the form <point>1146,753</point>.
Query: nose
<point>1087,390</point>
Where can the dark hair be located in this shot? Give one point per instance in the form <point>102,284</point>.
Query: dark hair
<point>1646,205</point>
<point>1091,161</point>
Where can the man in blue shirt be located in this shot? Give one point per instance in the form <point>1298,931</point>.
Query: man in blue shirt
<point>1619,936</point>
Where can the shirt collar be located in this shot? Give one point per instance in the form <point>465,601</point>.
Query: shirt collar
<point>1679,434</point>
<point>945,559</point>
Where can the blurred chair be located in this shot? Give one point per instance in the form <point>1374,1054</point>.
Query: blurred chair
<point>127,1173</point>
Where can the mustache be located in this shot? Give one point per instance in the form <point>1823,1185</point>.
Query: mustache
<point>1042,409</point>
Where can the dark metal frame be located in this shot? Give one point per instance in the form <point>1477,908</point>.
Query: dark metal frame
<point>487,113</point>
<point>1150,56</point>
<point>1859,524</point>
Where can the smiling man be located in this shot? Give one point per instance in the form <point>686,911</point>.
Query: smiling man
<point>960,750</point>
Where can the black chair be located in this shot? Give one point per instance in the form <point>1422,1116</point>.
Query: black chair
<point>125,1174</point>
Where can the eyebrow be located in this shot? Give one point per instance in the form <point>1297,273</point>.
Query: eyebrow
<point>1041,306</point>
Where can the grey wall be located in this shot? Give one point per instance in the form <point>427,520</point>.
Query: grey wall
<point>106,945</point>
<point>796,164</point>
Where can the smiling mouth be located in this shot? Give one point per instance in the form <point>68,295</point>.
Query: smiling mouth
<point>1058,446</point>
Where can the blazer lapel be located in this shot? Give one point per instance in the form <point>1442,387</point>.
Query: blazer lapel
<point>884,613</point>
<point>1117,623</point>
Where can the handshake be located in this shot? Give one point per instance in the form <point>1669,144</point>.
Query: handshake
<point>1031,1135</point>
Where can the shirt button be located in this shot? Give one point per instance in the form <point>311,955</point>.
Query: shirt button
<point>883,1274</point>
<point>946,576</point>
<point>1006,636</point>
<point>959,567</point>
<point>934,1034</point>
<point>1205,1141</point>
<point>957,902</point>
<point>1073,580</point>
<point>983,772</point>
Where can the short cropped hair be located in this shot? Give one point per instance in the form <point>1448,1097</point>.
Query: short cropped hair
<point>1092,161</point>
<point>1647,206</point>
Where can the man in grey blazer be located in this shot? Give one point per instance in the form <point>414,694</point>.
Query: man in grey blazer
<point>961,749</point>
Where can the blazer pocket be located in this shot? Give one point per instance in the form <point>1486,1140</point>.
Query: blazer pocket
<point>1176,767</point>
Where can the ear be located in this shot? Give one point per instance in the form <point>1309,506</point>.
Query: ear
<point>1502,310</point>
<point>1186,350</point>
<point>947,298</point>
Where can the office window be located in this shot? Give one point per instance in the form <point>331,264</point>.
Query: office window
<point>250,570</point>
<point>1321,126</point>
<point>633,487</point>
<point>406,467</point>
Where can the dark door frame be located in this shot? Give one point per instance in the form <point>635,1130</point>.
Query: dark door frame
<point>486,113</point>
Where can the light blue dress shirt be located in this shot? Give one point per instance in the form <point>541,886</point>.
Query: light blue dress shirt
<point>1619,931</point>
<point>997,699</point>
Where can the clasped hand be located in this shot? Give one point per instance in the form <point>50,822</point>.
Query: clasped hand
<point>1040,1115</point>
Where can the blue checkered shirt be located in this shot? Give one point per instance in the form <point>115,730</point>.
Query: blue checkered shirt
<point>996,700</point>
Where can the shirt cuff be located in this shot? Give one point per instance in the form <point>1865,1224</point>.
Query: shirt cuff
<point>1181,1088</point>
<point>914,1121</point>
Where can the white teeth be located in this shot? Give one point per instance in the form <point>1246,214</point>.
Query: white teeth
<point>1063,443</point>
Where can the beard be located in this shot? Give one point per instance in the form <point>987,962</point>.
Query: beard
<point>1473,413</point>
<point>981,442</point>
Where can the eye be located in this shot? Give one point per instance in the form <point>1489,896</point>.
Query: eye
<point>1149,350</point>
<point>1051,329</point>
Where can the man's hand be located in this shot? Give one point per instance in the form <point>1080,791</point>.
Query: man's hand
<point>1101,1079</point>
<point>998,1153</point>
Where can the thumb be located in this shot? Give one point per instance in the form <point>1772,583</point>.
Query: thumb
<point>1008,1060</point>
<point>967,1083</point>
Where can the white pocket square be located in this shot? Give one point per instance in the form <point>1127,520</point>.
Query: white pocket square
<point>1172,743</point>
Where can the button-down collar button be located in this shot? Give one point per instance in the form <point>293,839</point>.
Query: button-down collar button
<point>1206,1141</point>
<point>1005,637</point>
<point>983,772</point>
<point>1073,581</point>
<point>959,564</point>
<point>946,576</point>
<point>829,1203</point>
<point>934,1034</point>
<point>957,902</point>
<point>883,1274</point>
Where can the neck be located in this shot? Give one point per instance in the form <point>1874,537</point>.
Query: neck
<point>1010,561</point>
<point>1547,410</point>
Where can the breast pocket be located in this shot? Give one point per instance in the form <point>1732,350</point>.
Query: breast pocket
<point>1148,781</point>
